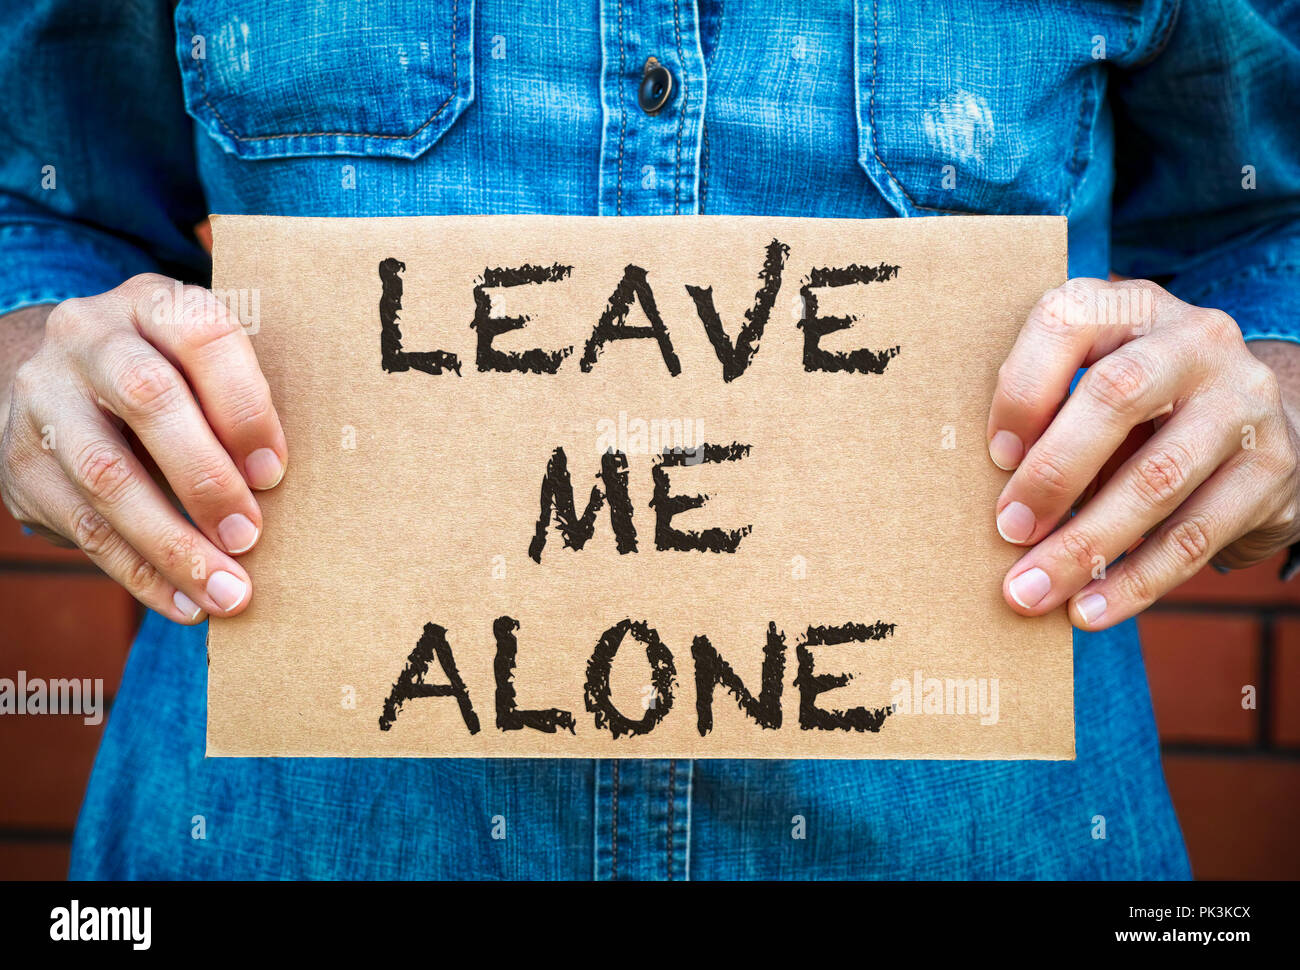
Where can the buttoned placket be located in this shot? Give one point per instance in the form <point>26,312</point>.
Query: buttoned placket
<point>649,165</point>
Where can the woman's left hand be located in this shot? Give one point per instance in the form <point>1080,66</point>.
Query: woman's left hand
<point>1176,433</point>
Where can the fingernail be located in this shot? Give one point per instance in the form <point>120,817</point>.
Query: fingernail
<point>228,591</point>
<point>264,469</point>
<point>1091,607</point>
<point>1006,449</point>
<point>1016,523</point>
<point>186,605</point>
<point>1030,587</point>
<point>238,533</point>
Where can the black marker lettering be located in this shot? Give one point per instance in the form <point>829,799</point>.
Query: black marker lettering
<point>613,322</point>
<point>666,505</point>
<point>860,361</point>
<point>393,358</point>
<point>557,494</point>
<point>509,717</point>
<point>711,669</point>
<point>488,358</point>
<point>736,357</point>
<point>811,684</point>
<point>663,677</point>
<point>410,684</point>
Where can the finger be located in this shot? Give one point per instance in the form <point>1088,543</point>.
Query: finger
<point>206,341</point>
<point>1131,446</point>
<point>136,383</point>
<point>97,460</point>
<point>1143,492</point>
<point>72,516</point>
<point>1220,511</point>
<point>1119,392</point>
<point>1070,327</point>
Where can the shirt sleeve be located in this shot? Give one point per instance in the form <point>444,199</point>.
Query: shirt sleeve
<point>97,176</point>
<point>1207,195</point>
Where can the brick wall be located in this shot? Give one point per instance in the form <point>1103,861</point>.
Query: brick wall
<point>59,617</point>
<point>1234,772</point>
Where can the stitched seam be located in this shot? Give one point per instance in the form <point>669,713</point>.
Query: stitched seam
<point>690,796</point>
<point>622,109</point>
<point>871,115</point>
<point>681,112</point>
<point>704,168</point>
<point>455,75</point>
<point>871,108</point>
<point>1164,30</point>
<point>613,864</point>
<point>1081,158</point>
<point>672,796</point>
<point>704,122</point>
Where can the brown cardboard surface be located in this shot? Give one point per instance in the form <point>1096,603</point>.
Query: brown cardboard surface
<point>863,504</point>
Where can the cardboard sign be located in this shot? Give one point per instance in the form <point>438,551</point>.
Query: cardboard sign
<point>643,487</point>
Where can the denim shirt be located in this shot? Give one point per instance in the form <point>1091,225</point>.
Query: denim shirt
<point>1166,132</point>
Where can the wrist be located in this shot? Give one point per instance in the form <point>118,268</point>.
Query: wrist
<point>20,334</point>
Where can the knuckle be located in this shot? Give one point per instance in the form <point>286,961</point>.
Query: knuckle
<point>1057,312</point>
<point>1136,586</point>
<point>91,531</point>
<point>1289,463</point>
<point>1080,549</point>
<point>67,318</point>
<point>1117,381</point>
<point>26,381</point>
<point>1217,326</point>
<point>1161,475</point>
<point>148,386</point>
<point>249,412</point>
<point>1262,387</point>
<point>1068,306</point>
<point>1288,516</point>
<point>203,320</point>
<point>1278,465</point>
<point>174,551</point>
<point>1283,462</point>
<point>1018,390</point>
<point>141,577</point>
<point>103,471</point>
<point>213,482</point>
<point>1189,540</point>
<point>12,504</point>
<point>1045,474</point>
<point>146,282</point>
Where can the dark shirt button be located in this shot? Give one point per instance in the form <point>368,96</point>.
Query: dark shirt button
<point>656,87</point>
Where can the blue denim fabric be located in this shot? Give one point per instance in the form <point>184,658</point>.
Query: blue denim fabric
<point>1135,119</point>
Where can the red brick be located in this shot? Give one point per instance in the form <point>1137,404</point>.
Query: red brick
<point>45,762</point>
<point>1237,815</point>
<point>1258,584</point>
<point>1197,665</point>
<point>15,544</point>
<point>1286,685</point>
<point>65,625</point>
<point>34,860</point>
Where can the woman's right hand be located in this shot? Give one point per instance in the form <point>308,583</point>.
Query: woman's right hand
<point>173,367</point>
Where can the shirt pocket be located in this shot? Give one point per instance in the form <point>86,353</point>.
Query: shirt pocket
<point>970,106</point>
<point>271,79</point>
